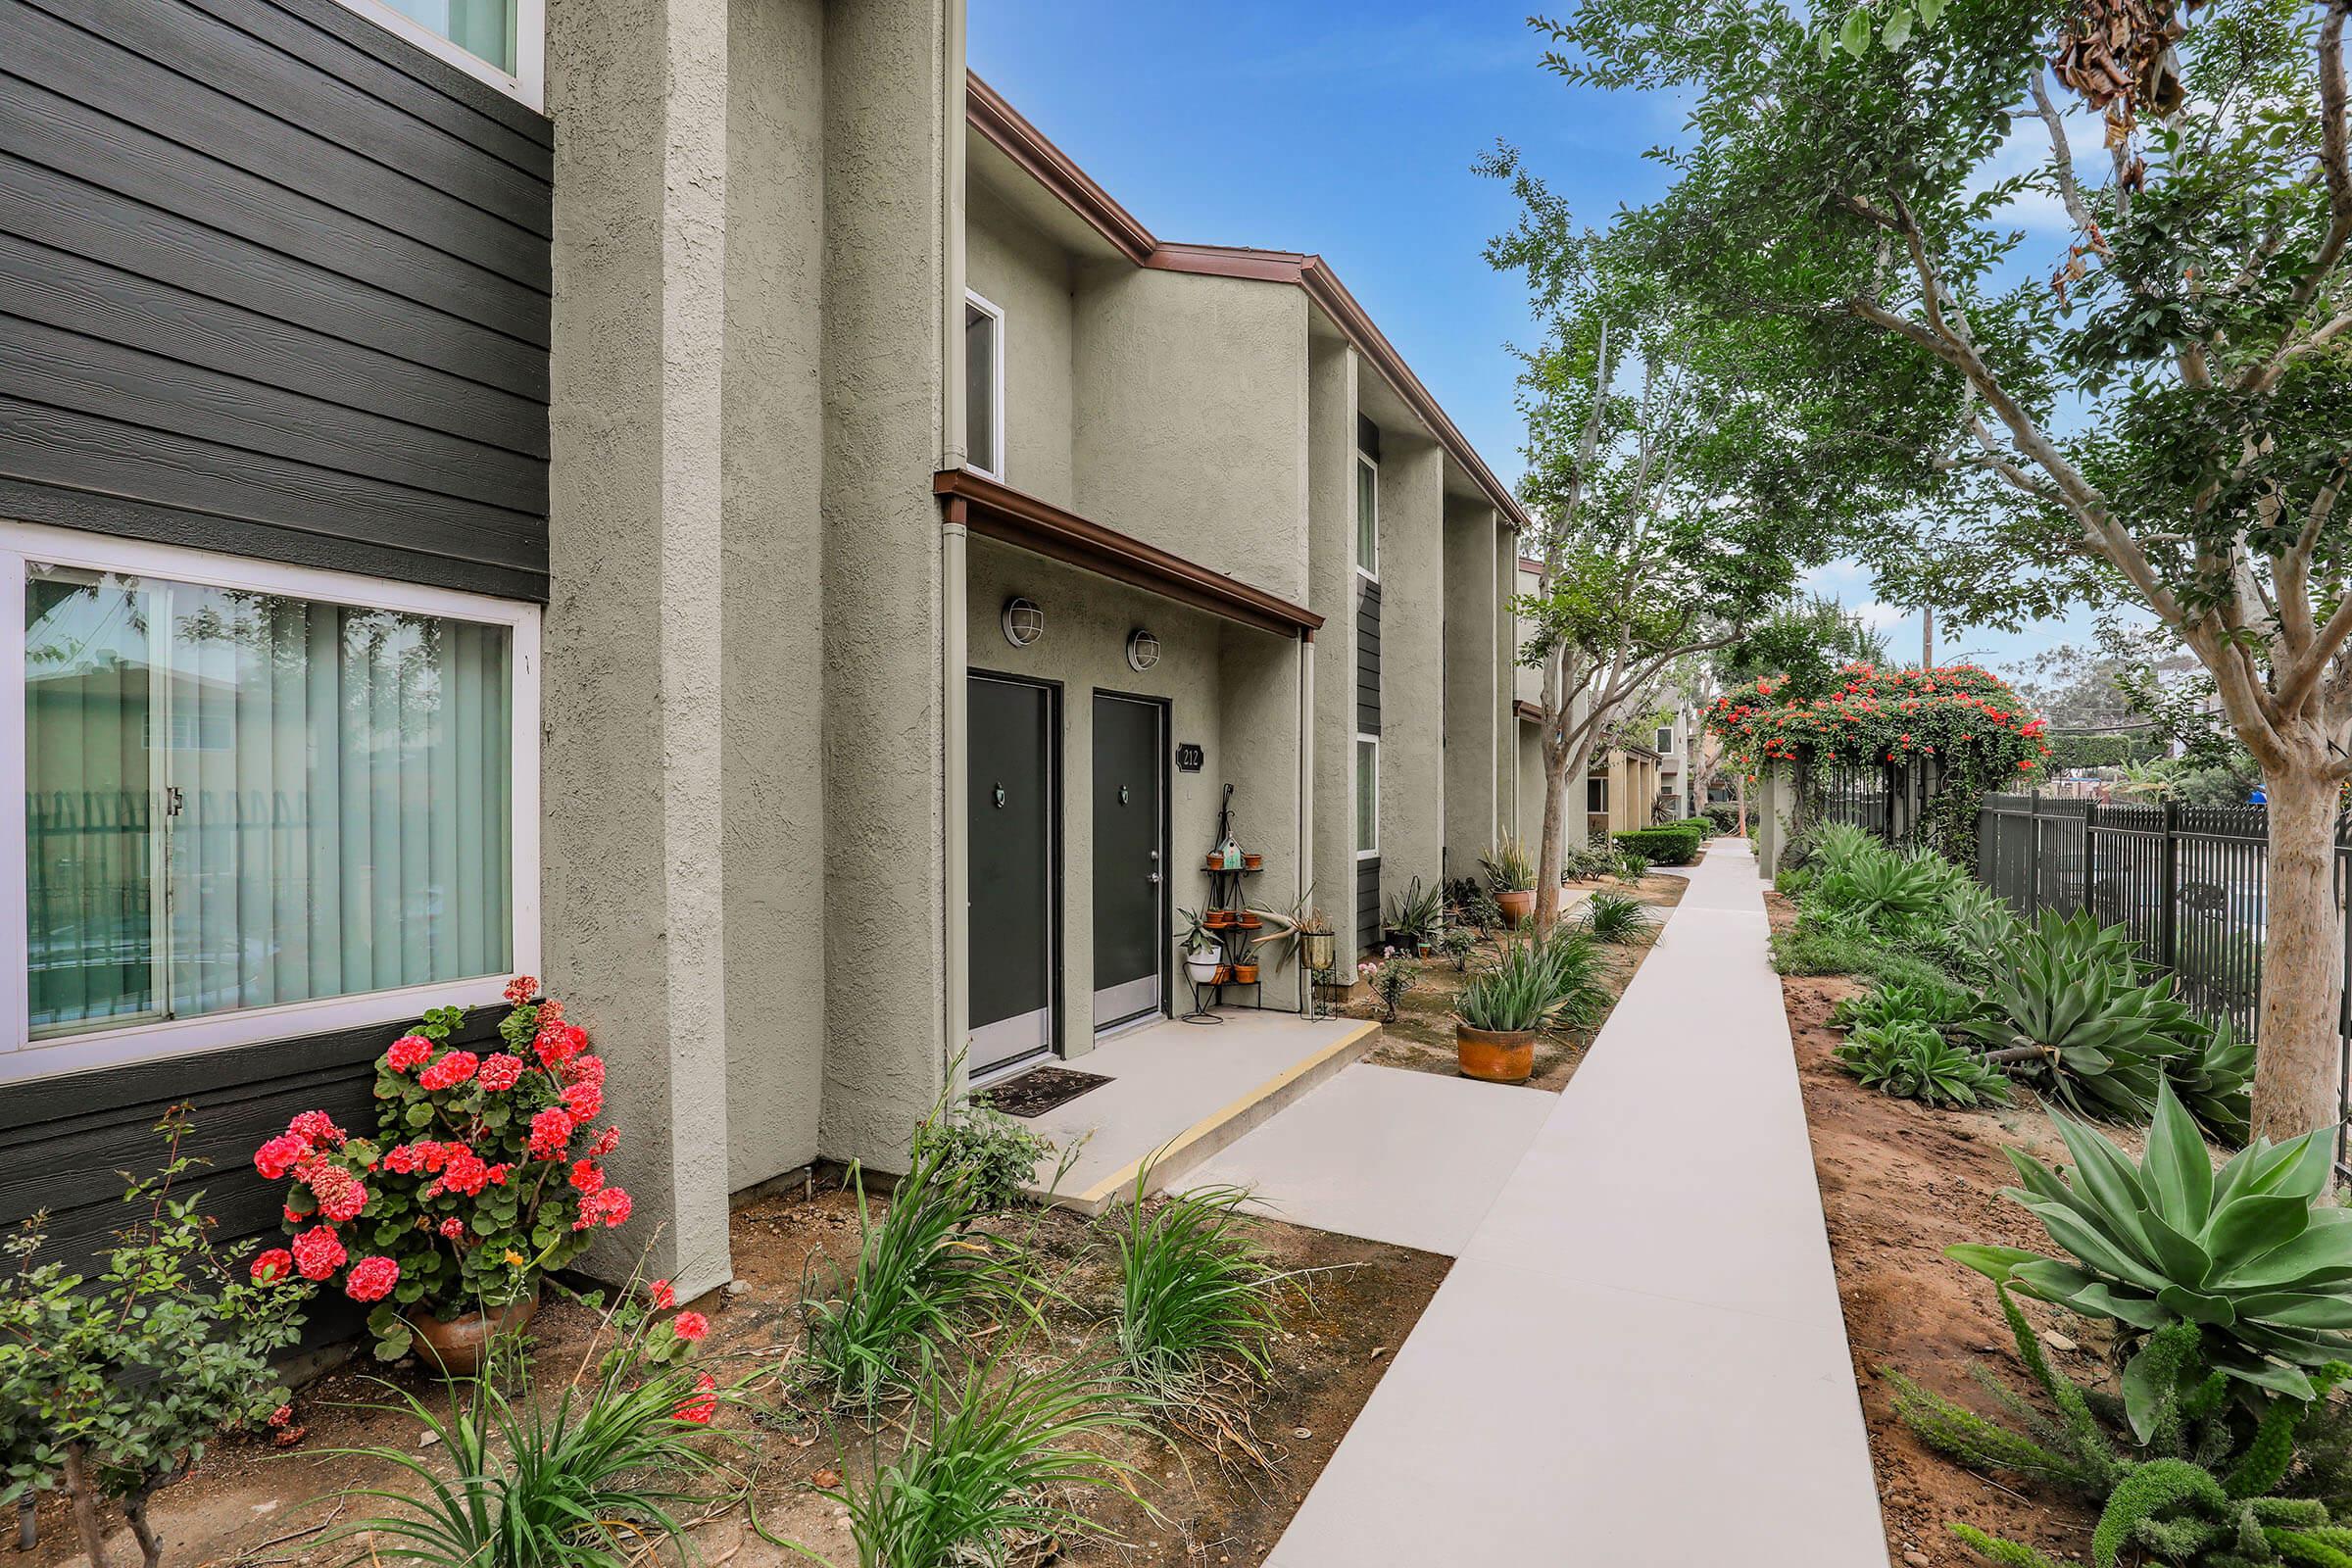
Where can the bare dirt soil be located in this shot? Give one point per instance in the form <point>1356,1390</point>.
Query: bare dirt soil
<point>1899,1183</point>
<point>1421,1036</point>
<point>246,1506</point>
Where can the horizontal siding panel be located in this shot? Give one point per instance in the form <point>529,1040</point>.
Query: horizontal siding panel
<point>76,295</point>
<point>58,446</point>
<point>127,517</point>
<point>310,99</point>
<point>83,374</point>
<point>516,141</point>
<point>461,89</point>
<point>134,87</point>
<point>158,217</point>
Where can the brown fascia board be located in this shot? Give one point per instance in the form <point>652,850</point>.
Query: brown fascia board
<point>995,509</point>
<point>997,120</point>
<point>1531,711</point>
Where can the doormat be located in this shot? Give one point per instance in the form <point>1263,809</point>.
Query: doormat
<point>1040,1090</point>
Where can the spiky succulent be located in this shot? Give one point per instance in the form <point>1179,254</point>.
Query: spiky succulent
<point>1912,1061</point>
<point>1882,887</point>
<point>2214,1077</point>
<point>1932,1003</point>
<point>2068,1011</point>
<point>2247,1254</point>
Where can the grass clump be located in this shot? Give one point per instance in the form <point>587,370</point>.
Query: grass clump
<point>1617,918</point>
<point>1198,1299</point>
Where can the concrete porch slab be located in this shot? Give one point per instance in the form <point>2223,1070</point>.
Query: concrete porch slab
<point>1414,1159</point>
<point>1180,1092</point>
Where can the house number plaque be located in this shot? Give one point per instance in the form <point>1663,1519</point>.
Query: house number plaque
<point>1189,757</point>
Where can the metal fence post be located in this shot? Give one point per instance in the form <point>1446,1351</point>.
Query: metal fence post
<point>2168,908</point>
<point>2034,855</point>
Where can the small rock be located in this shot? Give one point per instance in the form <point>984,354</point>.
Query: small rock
<point>1301,1432</point>
<point>738,1286</point>
<point>427,1439</point>
<point>1917,1558</point>
<point>2057,1341</point>
<point>827,1479</point>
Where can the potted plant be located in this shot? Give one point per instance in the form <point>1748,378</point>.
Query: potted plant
<point>1413,917</point>
<point>1252,861</point>
<point>1201,954</point>
<point>1245,974</point>
<point>1496,1016</point>
<point>1512,875</point>
<point>481,1178</point>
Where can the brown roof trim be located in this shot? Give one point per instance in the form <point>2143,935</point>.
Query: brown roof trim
<point>999,512</point>
<point>1531,711</point>
<point>997,120</point>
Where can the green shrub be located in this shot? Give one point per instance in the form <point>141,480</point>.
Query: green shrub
<point>1804,950</point>
<point>922,1273</point>
<point>1724,817</point>
<point>1390,979</point>
<point>2249,1255</point>
<point>1912,1061</point>
<point>1882,889</point>
<point>1196,1296</point>
<point>1456,942</point>
<point>1615,917</point>
<point>1586,860</point>
<point>990,1153</point>
<point>1579,977</point>
<point>1415,915</point>
<point>1662,846</point>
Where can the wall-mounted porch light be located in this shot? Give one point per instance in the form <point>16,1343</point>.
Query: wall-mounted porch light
<point>1142,650</point>
<point>1024,623</point>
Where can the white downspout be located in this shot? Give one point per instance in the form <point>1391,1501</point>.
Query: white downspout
<point>1306,788</point>
<point>955,921</point>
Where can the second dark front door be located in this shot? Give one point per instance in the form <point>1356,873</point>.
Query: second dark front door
<point>1130,858</point>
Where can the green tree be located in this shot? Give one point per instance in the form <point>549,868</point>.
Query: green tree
<point>2161,422</point>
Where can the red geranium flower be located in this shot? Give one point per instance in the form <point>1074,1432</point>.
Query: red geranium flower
<point>408,1050</point>
<point>521,989</point>
<point>281,1155</point>
<point>701,1409</point>
<point>449,1071</point>
<point>550,1131</point>
<point>690,1327</point>
<point>272,1266</point>
<point>317,1253</point>
<point>371,1279</point>
<point>500,1073</point>
<point>662,1295</point>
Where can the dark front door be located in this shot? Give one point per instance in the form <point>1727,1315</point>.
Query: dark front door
<point>1131,920</point>
<point>1011,750</point>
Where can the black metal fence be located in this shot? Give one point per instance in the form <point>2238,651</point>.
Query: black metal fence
<point>2187,881</point>
<point>1859,795</point>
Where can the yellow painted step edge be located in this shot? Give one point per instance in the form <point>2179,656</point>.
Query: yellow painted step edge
<point>1125,1175</point>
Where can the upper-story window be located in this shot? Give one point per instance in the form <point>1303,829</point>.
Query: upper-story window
<point>1596,793</point>
<point>501,41</point>
<point>983,386</point>
<point>1665,737</point>
<point>1367,516</point>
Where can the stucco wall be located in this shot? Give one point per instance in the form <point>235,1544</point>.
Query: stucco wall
<point>633,682</point>
<point>893,81</point>
<point>1331,562</point>
<point>1191,412</point>
<point>1412,661</point>
<point>1478,700</point>
<point>1016,267</point>
<point>772,828</point>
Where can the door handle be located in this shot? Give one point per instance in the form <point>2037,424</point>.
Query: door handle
<point>1153,877</point>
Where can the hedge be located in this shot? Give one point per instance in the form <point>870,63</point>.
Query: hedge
<point>1675,845</point>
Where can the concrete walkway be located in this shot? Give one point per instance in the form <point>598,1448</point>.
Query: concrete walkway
<point>1639,1360</point>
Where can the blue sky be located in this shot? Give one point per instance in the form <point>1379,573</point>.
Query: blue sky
<point>1350,132</point>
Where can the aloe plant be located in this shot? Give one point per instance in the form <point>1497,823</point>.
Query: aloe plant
<point>1508,866</point>
<point>1519,993</point>
<point>2248,1253</point>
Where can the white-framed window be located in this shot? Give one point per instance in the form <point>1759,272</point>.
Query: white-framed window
<point>983,386</point>
<point>1596,793</point>
<point>252,801</point>
<point>503,42</point>
<point>1665,738</point>
<point>1367,516</point>
<point>1368,797</point>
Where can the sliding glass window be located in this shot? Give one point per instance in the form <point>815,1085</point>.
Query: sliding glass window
<point>241,799</point>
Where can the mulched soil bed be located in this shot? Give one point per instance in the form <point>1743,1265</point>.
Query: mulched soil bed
<point>1040,1090</point>
<point>1344,1324</point>
<point>1898,1183</point>
<point>1421,1036</point>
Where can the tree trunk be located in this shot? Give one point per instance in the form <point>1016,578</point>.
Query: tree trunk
<point>2298,1047</point>
<point>80,1492</point>
<point>151,1544</point>
<point>1740,798</point>
<point>1547,849</point>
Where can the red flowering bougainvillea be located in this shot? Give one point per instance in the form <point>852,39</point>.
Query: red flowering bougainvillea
<point>482,1174</point>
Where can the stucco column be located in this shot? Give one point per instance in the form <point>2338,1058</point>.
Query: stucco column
<point>893,267</point>
<point>631,759</point>
<point>1511,783</point>
<point>1478,700</point>
<point>1331,594</point>
<point>1412,661</point>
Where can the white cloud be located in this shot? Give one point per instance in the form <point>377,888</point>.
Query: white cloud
<point>1878,616</point>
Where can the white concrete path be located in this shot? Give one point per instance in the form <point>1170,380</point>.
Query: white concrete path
<point>1639,1360</point>
<point>1385,1154</point>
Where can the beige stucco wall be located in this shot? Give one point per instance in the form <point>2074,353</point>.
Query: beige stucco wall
<point>1015,267</point>
<point>1478,694</point>
<point>1331,572</point>
<point>1412,661</point>
<point>892,280</point>
<point>1189,417</point>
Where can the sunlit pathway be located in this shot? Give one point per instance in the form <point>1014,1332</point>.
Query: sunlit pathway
<point>1639,1359</point>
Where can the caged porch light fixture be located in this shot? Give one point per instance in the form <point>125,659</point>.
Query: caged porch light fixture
<point>1142,650</point>
<point>1024,623</point>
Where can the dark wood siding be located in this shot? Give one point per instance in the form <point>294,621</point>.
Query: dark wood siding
<point>1367,907</point>
<point>274,282</point>
<point>1367,659</point>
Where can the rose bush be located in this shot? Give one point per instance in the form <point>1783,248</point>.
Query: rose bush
<point>483,1173</point>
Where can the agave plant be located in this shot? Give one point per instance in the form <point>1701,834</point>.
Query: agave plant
<point>2248,1253</point>
<point>1840,844</point>
<point>2214,1078</point>
<point>1912,1061</point>
<point>1882,887</point>
<point>2069,1010</point>
<point>1937,1004</point>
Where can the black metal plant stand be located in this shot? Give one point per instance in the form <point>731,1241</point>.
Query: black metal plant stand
<point>1225,884</point>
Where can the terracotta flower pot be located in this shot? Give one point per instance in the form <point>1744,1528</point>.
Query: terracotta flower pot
<point>1224,973</point>
<point>1518,906</point>
<point>1254,863</point>
<point>1248,921</point>
<point>458,1346</point>
<point>1212,862</point>
<point>1495,1056</point>
<point>1217,919</point>
<point>1245,974</point>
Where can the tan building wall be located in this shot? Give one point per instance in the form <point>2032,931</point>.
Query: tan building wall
<point>1027,275</point>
